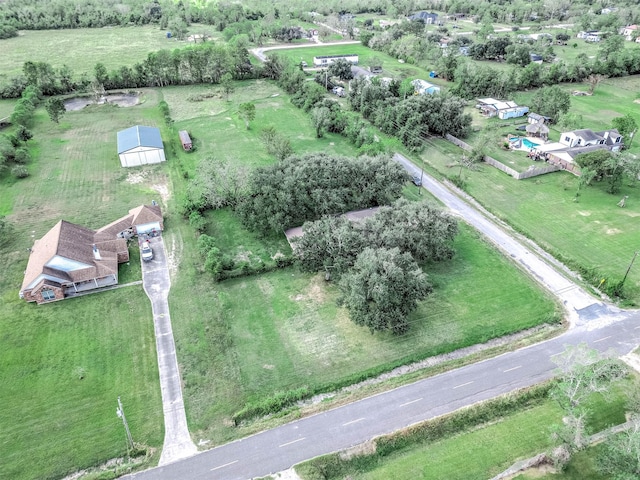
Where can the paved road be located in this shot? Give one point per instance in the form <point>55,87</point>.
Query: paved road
<point>573,297</point>
<point>156,281</point>
<point>280,448</point>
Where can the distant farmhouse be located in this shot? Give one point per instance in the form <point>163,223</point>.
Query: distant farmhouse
<point>426,17</point>
<point>326,60</point>
<point>140,146</point>
<point>490,107</point>
<point>423,87</point>
<point>70,258</point>
<point>590,36</point>
<point>629,32</point>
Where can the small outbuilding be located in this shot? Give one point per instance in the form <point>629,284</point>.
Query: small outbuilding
<point>140,145</point>
<point>185,139</point>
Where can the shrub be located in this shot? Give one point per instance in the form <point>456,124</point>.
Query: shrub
<point>20,171</point>
<point>198,222</point>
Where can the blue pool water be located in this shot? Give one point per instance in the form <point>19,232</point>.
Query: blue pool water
<point>528,143</point>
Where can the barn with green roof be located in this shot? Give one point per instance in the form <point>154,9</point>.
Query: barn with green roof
<point>140,145</point>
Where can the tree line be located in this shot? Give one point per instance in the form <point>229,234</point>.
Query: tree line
<point>195,64</point>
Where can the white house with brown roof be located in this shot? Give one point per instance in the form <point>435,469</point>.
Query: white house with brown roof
<point>71,258</point>
<point>629,32</point>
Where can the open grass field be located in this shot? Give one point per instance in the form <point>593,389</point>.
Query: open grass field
<point>592,232</point>
<point>53,421</point>
<point>82,48</point>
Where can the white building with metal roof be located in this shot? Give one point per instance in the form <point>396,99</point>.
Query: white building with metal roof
<point>140,145</point>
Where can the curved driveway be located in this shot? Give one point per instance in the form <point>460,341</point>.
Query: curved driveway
<point>600,326</point>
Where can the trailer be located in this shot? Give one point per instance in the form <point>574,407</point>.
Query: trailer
<point>185,139</point>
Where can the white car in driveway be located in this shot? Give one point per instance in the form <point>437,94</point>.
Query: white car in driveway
<point>146,252</point>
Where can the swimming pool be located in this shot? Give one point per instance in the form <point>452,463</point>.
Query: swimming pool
<point>528,143</point>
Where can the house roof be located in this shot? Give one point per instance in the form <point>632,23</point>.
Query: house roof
<point>538,127</point>
<point>71,245</point>
<point>537,116</point>
<point>146,214</point>
<point>575,151</point>
<point>423,15</point>
<point>139,136</point>
<point>587,134</point>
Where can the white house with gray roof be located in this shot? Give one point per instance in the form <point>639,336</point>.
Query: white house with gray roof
<point>140,146</point>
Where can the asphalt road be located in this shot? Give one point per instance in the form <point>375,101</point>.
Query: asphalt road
<point>599,325</point>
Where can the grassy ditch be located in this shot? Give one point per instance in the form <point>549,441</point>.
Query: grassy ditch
<point>475,443</point>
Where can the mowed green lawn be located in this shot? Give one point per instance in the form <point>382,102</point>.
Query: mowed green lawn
<point>82,48</point>
<point>593,232</point>
<point>53,421</point>
<point>245,339</point>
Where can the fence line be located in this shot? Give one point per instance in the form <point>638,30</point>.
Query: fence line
<point>531,172</point>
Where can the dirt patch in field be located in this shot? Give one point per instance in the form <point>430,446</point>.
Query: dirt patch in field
<point>534,472</point>
<point>136,177</point>
<point>584,214</point>
<point>315,293</point>
<point>613,231</point>
<point>366,448</point>
<point>163,190</point>
<point>637,100</point>
<point>120,99</point>
<point>287,475</point>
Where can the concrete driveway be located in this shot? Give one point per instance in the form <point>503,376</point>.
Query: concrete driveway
<point>156,281</point>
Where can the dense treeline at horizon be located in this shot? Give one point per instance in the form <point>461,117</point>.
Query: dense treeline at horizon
<point>59,14</point>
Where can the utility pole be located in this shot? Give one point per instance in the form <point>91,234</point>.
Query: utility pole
<point>635,254</point>
<point>120,413</point>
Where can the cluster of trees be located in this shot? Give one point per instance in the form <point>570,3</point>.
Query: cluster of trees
<point>582,372</point>
<point>326,114</point>
<point>295,189</point>
<point>59,14</point>
<point>203,63</point>
<point>472,80</point>
<point>306,187</point>
<point>14,154</point>
<point>607,167</point>
<point>376,260</point>
<point>551,102</point>
<point>395,110</point>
